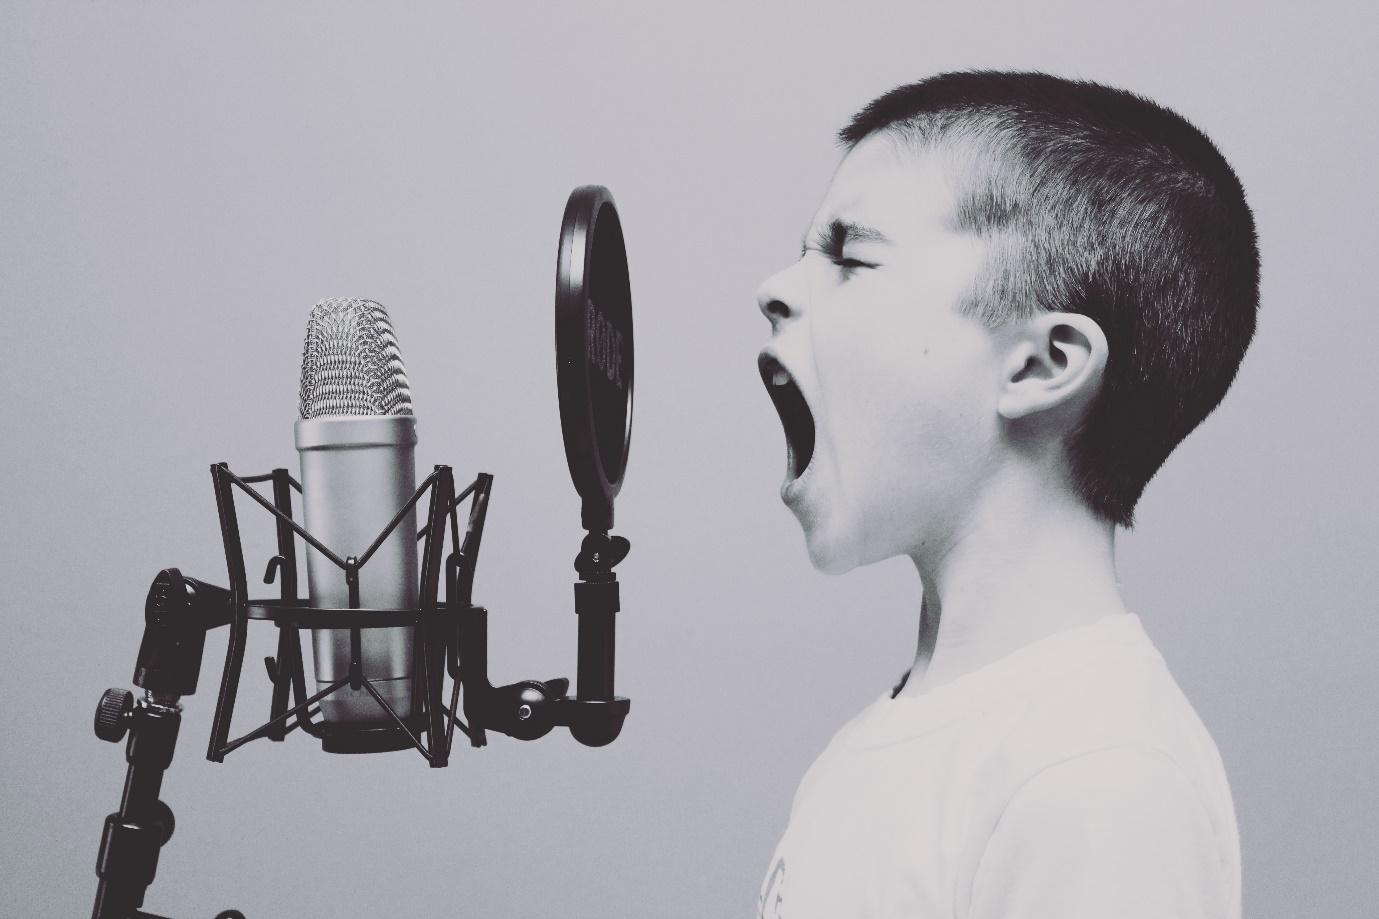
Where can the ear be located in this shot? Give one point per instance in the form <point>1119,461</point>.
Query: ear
<point>1056,360</point>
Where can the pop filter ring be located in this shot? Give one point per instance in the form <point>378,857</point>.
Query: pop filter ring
<point>594,353</point>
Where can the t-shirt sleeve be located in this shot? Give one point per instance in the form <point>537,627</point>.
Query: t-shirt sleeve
<point>1115,833</point>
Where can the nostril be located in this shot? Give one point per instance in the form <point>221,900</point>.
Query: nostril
<point>775,309</point>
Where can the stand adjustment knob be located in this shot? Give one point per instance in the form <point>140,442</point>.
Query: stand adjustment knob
<point>112,714</point>
<point>164,820</point>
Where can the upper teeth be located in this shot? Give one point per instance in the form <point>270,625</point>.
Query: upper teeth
<point>780,378</point>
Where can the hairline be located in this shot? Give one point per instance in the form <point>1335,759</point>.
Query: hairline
<point>973,160</point>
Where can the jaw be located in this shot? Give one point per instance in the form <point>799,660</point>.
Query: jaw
<point>828,553</point>
<point>833,535</point>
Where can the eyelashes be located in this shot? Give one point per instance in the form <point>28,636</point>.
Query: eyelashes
<point>830,241</point>
<point>835,255</point>
<point>849,264</point>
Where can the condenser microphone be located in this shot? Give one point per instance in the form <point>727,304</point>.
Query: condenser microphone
<point>357,439</point>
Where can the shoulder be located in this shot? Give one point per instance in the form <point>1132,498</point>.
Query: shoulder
<point>826,762</point>
<point>1114,693</point>
<point>1119,791</point>
<point>1105,777</point>
<point>1117,831</point>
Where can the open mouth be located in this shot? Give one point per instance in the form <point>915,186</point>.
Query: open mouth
<point>794,413</point>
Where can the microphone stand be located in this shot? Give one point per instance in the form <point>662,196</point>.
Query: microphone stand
<point>177,615</point>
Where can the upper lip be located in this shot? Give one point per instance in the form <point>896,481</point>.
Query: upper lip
<point>793,408</point>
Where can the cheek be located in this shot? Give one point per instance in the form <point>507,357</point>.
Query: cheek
<point>858,361</point>
<point>919,420</point>
<point>904,385</point>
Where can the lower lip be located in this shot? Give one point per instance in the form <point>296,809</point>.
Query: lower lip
<point>793,489</point>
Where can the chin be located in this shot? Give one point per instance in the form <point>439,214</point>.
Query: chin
<point>838,550</point>
<point>832,553</point>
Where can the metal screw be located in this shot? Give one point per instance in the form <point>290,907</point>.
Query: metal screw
<point>523,712</point>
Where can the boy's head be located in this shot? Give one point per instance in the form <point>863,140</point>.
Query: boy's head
<point>1007,268</point>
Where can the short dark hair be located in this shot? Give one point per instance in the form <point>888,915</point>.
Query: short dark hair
<point>1101,202</point>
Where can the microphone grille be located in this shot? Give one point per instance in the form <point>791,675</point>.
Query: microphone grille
<point>351,364</point>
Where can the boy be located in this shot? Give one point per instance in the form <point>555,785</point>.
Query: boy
<point>1019,295</point>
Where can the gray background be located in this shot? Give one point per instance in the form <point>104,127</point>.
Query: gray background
<point>180,182</point>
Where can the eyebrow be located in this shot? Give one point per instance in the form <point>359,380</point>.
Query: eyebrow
<point>830,239</point>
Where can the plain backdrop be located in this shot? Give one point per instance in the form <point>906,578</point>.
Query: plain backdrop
<point>179,182</point>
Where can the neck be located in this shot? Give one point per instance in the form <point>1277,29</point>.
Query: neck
<point>1029,563</point>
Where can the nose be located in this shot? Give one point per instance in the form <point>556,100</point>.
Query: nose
<point>781,297</point>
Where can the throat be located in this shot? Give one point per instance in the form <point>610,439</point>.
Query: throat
<point>981,605</point>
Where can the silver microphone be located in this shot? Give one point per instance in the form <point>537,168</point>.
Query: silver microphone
<point>357,439</point>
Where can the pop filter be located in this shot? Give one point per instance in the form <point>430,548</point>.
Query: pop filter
<point>593,350</point>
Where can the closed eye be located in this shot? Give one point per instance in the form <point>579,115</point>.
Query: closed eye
<point>837,258</point>
<point>831,240</point>
<point>850,264</point>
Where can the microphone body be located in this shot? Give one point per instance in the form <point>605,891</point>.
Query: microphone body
<point>357,436</point>
<point>357,472</point>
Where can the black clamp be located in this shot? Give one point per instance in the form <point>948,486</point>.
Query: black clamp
<point>599,554</point>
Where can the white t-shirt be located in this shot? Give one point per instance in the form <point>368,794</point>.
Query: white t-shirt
<point>1070,779</point>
